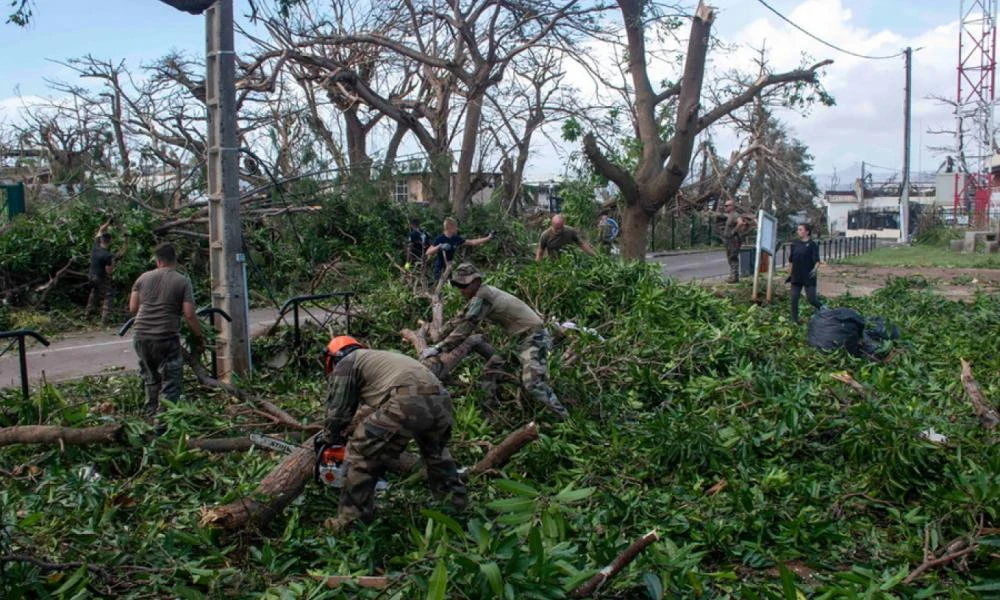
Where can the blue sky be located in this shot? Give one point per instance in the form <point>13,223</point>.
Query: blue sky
<point>864,126</point>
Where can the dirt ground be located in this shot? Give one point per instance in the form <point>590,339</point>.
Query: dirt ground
<point>955,284</point>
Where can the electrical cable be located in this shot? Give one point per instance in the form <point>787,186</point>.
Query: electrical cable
<point>824,42</point>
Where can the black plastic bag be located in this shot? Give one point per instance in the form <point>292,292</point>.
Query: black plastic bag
<point>837,328</point>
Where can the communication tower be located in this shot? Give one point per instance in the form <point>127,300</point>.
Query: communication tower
<point>976,92</point>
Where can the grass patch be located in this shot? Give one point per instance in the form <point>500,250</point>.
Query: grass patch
<point>923,256</point>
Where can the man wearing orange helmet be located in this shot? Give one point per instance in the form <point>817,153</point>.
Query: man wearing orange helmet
<point>409,403</point>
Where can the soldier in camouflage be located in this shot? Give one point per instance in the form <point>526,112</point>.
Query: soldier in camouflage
<point>406,402</point>
<point>732,234</point>
<point>517,319</point>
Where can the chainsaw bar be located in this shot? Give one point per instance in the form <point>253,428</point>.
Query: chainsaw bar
<point>273,444</point>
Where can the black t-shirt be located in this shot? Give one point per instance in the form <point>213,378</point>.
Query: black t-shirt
<point>455,241</point>
<point>804,258</point>
<point>100,258</point>
<point>418,242</point>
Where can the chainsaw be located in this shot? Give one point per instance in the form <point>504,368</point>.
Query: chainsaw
<point>331,461</point>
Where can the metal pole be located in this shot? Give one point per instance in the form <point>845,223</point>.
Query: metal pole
<point>224,237</point>
<point>904,200</point>
<point>22,360</point>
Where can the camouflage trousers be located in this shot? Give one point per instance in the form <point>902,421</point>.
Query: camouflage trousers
<point>100,293</point>
<point>161,366</point>
<point>733,258</point>
<point>383,436</point>
<point>533,354</point>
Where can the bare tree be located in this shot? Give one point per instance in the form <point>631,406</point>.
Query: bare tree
<point>666,151</point>
<point>463,50</point>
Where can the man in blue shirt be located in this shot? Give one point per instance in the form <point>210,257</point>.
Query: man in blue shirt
<point>444,245</point>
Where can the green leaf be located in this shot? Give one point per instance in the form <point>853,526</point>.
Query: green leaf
<point>569,495</point>
<point>491,572</point>
<point>437,585</point>
<point>512,505</point>
<point>787,582</point>
<point>654,587</point>
<point>516,487</point>
<point>76,579</point>
<point>989,586</point>
<point>439,517</point>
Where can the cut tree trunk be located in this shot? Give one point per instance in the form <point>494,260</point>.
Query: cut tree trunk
<point>69,436</point>
<point>275,492</point>
<point>289,478</point>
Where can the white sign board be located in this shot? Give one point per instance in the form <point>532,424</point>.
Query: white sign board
<point>767,232</point>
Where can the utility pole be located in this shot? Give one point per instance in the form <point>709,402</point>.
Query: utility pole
<point>904,199</point>
<point>224,228</point>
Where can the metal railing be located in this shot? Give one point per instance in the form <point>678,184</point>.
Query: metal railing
<point>207,311</point>
<point>294,302</point>
<point>832,248</point>
<point>22,356</point>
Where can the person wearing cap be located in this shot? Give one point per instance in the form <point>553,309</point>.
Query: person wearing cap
<point>516,318</point>
<point>406,402</point>
<point>732,235</point>
<point>557,237</point>
<point>99,276</point>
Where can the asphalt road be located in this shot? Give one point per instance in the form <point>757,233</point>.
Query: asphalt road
<point>86,353</point>
<point>694,266</point>
<point>100,352</point>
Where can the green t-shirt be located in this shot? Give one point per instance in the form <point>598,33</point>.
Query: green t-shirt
<point>162,294</point>
<point>552,243</point>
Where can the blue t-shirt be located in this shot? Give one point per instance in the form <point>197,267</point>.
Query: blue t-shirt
<point>612,230</point>
<point>455,241</point>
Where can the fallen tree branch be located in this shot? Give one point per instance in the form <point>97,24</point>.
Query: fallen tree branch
<point>52,434</point>
<point>988,415</point>
<point>845,377</point>
<point>233,444</point>
<point>501,453</point>
<point>272,410</point>
<point>619,563</point>
<point>365,581</point>
<point>956,549</point>
<point>48,566</point>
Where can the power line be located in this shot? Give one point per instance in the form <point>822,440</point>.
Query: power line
<point>822,41</point>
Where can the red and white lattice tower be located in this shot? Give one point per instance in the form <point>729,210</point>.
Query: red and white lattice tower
<point>977,42</point>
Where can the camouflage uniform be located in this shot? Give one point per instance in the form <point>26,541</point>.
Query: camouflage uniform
<point>409,403</point>
<point>517,319</point>
<point>732,235</point>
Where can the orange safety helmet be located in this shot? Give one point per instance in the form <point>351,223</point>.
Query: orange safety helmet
<point>337,349</point>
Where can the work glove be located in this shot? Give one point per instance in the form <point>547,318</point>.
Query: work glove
<point>788,279</point>
<point>429,351</point>
<point>199,346</point>
<point>445,247</point>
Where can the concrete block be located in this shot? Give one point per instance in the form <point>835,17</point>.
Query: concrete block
<point>957,245</point>
<point>992,247</point>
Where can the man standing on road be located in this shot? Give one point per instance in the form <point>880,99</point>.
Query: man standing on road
<point>517,319</point>
<point>732,235</point>
<point>557,237</point>
<point>101,266</point>
<point>407,402</point>
<point>159,298</point>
